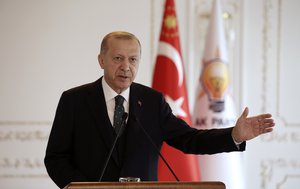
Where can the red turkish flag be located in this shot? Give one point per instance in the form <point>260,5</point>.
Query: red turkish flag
<point>170,80</point>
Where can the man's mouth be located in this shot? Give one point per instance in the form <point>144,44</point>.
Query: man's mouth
<point>123,77</point>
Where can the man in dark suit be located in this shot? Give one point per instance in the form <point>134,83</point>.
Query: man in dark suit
<point>83,129</point>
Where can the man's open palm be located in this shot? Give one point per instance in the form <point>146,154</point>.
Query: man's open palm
<point>247,128</point>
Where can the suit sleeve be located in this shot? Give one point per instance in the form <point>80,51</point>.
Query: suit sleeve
<point>180,135</point>
<point>59,149</point>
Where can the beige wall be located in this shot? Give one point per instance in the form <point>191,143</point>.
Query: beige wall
<point>49,46</point>
<point>270,40</point>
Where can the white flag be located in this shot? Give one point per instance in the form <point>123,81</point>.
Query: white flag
<point>214,106</point>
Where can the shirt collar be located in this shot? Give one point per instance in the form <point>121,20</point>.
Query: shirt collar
<point>110,94</point>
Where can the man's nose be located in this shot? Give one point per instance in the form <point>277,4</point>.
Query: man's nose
<point>125,65</point>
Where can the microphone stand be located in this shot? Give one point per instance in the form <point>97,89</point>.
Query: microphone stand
<point>156,148</point>
<point>125,115</point>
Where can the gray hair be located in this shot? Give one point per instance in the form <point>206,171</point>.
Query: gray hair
<point>117,35</point>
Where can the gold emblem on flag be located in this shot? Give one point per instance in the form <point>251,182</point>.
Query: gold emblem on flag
<point>215,81</point>
<point>170,22</point>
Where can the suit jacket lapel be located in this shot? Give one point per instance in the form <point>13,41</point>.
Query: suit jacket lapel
<point>98,107</point>
<point>133,130</point>
<point>136,102</point>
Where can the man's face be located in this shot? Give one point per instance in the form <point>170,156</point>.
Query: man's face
<point>120,63</point>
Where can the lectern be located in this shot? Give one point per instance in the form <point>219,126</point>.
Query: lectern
<point>146,185</point>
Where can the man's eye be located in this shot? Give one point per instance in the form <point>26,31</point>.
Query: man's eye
<point>133,60</point>
<point>117,58</point>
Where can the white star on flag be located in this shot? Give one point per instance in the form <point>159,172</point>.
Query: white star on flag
<point>176,106</point>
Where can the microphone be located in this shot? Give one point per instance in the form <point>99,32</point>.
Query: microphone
<point>124,117</point>
<point>155,147</point>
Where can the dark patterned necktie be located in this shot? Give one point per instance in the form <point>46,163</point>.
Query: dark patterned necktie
<point>119,111</point>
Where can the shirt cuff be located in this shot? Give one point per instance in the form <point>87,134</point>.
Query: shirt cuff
<point>237,143</point>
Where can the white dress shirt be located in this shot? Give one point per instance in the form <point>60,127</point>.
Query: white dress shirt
<point>109,95</point>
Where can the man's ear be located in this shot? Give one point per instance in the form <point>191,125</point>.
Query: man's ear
<point>101,60</point>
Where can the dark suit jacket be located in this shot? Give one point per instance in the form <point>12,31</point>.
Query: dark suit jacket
<point>82,136</point>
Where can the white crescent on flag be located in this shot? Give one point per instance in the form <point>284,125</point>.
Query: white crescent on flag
<point>169,51</point>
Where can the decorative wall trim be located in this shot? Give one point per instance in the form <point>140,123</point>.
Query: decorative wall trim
<point>24,123</point>
<point>278,169</point>
<point>286,179</point>
<point>32,137</point>
<point>279,34</point>
<point>267,46</point>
